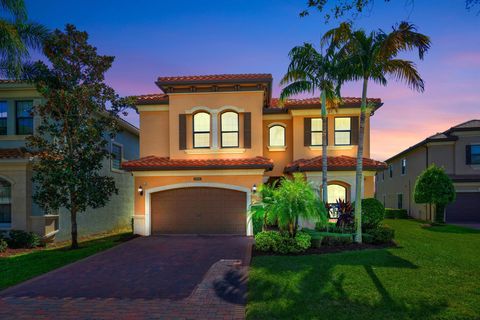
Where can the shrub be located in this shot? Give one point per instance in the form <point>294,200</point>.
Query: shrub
<point>257,223</point>
<point>373,213</point>
<point>382,234</point>
<point>346,218</point>
<point>23,239</point>
<point>396,213</point>
<point>281,242</point>
<point>333,228</point>
<point>338,239</point>
<point>316,237</point>
<point>3,245</point>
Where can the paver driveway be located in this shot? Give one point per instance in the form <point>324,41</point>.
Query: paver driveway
<point>150,277</point>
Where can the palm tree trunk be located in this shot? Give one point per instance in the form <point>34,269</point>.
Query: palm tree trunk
<point>324,148</point>
<point>359,172</point>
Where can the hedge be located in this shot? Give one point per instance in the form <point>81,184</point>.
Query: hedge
<point>396,213</point>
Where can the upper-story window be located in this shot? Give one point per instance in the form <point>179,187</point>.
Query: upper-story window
<point>276,136</point>
<point>201,130</point>
<point>5,201</point>
<point>390,170</point>
<point>24,117</point>
<point>317,128</point>
<point>343,131</point>
<point>473,154</point>
<point>404,166</point>
<point>229,129</point>
<point>117,154</point>
<point>3,117</point>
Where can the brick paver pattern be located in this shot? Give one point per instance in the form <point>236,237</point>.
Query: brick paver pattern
<point>186,278</point>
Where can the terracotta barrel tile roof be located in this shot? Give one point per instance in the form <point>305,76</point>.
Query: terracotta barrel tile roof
<point>346,101</point>
<point>158,98</point>
<point>217,77</point>
<point>13,153</point>
<point>165,163</point>
<point>333,163</point>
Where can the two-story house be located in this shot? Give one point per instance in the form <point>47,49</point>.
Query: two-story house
<point>457,150</point>
<point>207,142</point>
<point>18,211</point>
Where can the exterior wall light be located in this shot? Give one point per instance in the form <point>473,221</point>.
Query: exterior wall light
<point>140,190</point>
<point>254,189</point>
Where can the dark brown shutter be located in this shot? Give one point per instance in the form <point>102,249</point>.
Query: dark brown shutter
<point>182,131</point>
<point>307,132</point>
<point>326,128</point>
<point>354,123</point>
<point>468,155</point>
<point>247,130</point>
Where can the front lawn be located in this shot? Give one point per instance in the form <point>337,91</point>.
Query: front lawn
<point>434,273</point>
<point>21,267</point>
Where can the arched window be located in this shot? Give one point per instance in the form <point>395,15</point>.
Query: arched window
<point>5,201</point>
<point>201,130</point>
<point>335,192</point>
<point>229,129</point>
<point>276,136</point>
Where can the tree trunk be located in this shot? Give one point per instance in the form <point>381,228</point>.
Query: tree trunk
<point>359,171</point>
<point>439,213</point>
<point>73,221</point>
<point>324,148</point>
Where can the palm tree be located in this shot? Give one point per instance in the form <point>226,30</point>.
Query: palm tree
<point>373,57</point>
<point>309,71</point>
<point>17,36</point>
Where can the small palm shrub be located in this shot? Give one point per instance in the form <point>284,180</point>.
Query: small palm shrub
<point>373,213</point>
<point>286,203</point>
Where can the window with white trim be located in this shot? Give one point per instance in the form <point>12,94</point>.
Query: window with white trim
<point>276,136</point>
<point>336,192</point>
<point>24,117</point>
<point>201,130</point>
<point>316,131</point>
<point>343,131</point>
<point>229,129</point>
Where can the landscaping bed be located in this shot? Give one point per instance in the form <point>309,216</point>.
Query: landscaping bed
<point>328,249</point>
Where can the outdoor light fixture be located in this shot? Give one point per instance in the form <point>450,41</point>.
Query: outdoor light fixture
<point>254,189</point>
<point>140,190</point>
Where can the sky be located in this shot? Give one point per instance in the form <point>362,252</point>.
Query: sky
<point>167,38</point>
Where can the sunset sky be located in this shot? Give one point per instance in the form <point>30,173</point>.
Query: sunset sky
<point>161,38</point>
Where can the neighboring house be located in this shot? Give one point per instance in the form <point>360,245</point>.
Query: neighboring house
<point>17,209</point>
<point>208,142</point>
<point>457,150</point>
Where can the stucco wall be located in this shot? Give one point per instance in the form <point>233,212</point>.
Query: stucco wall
<point>281,158</point>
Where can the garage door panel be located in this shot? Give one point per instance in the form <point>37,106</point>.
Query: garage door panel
<point>199,210</point>
<point>466,208</point>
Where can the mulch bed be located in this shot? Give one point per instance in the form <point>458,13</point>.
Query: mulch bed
<point>327,249</point>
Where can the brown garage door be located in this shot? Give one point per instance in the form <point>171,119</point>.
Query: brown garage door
<point>199,211</point>
<point>466,208</point>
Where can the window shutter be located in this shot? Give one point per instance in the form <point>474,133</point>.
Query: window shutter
<point>307,132</point>
<point>247,130</point>
<point>182,131</point>
<point>326,128</point>
<point>468,155</point>
<point>354,124</point>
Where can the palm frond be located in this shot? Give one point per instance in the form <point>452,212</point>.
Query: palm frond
<point>16,8</point>
<point>295,88</point>
<point>406,71</point>
<point>32,34</point>
<point>404,37</point>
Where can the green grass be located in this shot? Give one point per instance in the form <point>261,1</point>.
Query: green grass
<point>18,268</point>
<point>434,273</point>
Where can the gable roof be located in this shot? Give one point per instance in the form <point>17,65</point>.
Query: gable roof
<point>471,125</point>
<point>339,163</point>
